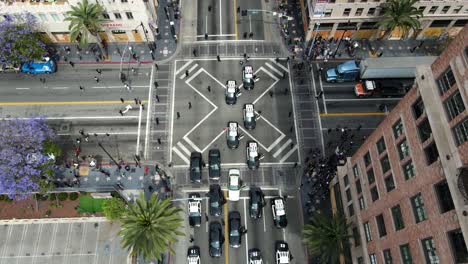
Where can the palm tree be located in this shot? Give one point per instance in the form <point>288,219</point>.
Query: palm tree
<point>400,14</point>
<point>326,237</point>
<point>148,227</point>
<point>85,21</point>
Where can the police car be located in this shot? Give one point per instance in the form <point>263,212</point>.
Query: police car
<point>232,92</point>
<point>194,209</point>
<point>250,118</point>
<point>193,255</point>
<point>253,157</point>
<point>232,135</point>
<point>279,212</point>
<point>247,77</point>
<point>255,256</point>
<point>282,255</point>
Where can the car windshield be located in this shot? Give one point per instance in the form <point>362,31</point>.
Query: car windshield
<point>215,244</point>
<point>214,166</point>
<point>234,233</point>
<point>339,69</point>
<point>234,187</point>
<point>215,204</point>
<point>254,206</point>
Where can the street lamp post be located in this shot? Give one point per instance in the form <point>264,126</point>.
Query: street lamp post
<point>108,154</point>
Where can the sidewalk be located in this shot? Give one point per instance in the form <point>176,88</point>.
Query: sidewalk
<point>166,45</point>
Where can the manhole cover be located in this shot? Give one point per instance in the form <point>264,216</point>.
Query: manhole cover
<point>65,127</point>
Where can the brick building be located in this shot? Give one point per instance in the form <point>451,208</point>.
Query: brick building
<point>405,190</point>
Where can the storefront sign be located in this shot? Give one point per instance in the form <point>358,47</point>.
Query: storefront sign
<point>112,25</point>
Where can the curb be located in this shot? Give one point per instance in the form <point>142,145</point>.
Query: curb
<point>52,220</point>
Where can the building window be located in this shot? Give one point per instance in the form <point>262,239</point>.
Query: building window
<point>446,81</point>
<point>129,15</point>
<point>397,128</point>
<point>430,252</point>
<point>381,225</point>
<point>433,9</point>
<point>460,132</point>
<point>418,208</point>
<point>445,198</point>
<point>374,193</point>
<point>347,11</point>
<point>356,237</point>
<point>43,17</point>
<point>55,17</point>
<point>457,9</point>
<point>397,218</point>
<point>368,25</point>
<point>358,186</point>
<point>367,232</point>
<point>432,154</point>
<point>408,170</point>
<point>371,12</point>
<point>370,176</point>
<point>445,9</point>
<point>385,163</point>
<point>381,145</point>
<point>328,12</point>
<point>373,259</point>
<point>454,105</point>
<point>346,180</point>
<point>359,11</point>
<point>348,195</point>
<point>367,159</point>
<point>360,260</point>
<point>389,183</point>
<point>351,210</point>
<point>387,255</point>
<point>418,108</point>
<point>356,171</point>
<point>124,1</point>
<point>422,8</point>
<point>424,130</point>
<point>406,254</point>
<point>117,15</point>
<point>403,149</point>
<point>105,16</point>
<point>458,246</point>
<point>362,204</point>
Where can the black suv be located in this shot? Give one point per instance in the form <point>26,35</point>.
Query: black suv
<point>256,202</point>
<point>216,239</point>
<point>232,135</point>
<point>214,162</point>
<point>216,200</point>
<point>195,167</point>
<point>234,229</point>
<point>250,118</point>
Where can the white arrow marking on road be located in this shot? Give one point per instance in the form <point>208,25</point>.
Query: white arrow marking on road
<point>289,153</point>
<point>128,107</point>
<point>181,146</point>
<point>181,155</point>
<point>281,148</point>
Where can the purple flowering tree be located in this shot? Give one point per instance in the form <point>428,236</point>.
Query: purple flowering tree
<point>20,40</point>
<point>27,153</point>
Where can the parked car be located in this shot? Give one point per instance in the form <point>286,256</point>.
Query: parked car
<point>279,212</point>
<point>256,202</point>
<point>195,167</point>
<point>282,254</point>
<point>216,200</point>
<point>234,185</point>
<point>234,223</point>
<point>255,256</point>
<point>194,209</point>
<point>216,239</point>
<point>46,65</point>
<point>214,162</point>
<point>193,255</point>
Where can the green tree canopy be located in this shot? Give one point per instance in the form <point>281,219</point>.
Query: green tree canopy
<point>114,208</point>
<point>326,237</point>
<point>148,227</point>
<point>400,14</point>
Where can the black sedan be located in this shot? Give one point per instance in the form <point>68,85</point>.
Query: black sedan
<point>256,202</point>
<point>234,229</point>
<point>216,239</point>
<point>195,167</point>
<point>214,161</point>
<point>216,200</point>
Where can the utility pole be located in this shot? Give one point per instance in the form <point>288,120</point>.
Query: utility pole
<point>108,154</point>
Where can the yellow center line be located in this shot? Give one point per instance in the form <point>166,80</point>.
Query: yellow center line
<point>355,114</point>
<point>226,234</point>
<point>235,18</point>
<point>66,103</point>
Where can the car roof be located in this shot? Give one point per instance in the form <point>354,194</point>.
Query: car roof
<point>233,129</point>
<point>249,107</point>
<point>231,83</point>
<point>253,147</point>
<point>194,207</point>
<point>283,256</point>
<point>234,172</point>
<point>279,206</point>
<point>234,179</point>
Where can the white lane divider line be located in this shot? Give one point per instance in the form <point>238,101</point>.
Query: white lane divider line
<point>22,88</point>
<point>282,148</point>
<point>181,155</point>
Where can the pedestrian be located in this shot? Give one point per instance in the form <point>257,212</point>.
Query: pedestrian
<point>120,112</point>
<point>78,141</point>
<point>194,52</point>
<point>191,239</point>
<point>206,217</point>
<point>287,59</point>
<point>291,129</point>
<point>186,73</point>
<point>218,58</point>
<point>295,164</point>
<point>159,141</point>
<point>209,8</point>
<point>96,79</point>
<point>290,114</point>
<point>81,88</point>
<point>157,120</point>
<point>284,75</point>
<point>133,70</point>
<point>156,65</point>
<point>178,115</point>
<point>72,64</point>
<point>319,95</point>
<point>206,36</point>
<point>359,127</point>
<point>140,103</point>
<point>329,130</point>
<point>157,98</point>
<point>107,134</point>
<point>122,100</point>
<point>99,71</point>
<point>86,138</point>
<point>81,132</point>
<point>292,145</point>
<point>251,35</point>
<point>320,69</point>
<point>277,60</point>
<point>156,84</point>
<point>209,89</point>
<point>189,105</point>
<point>285,91</point>
<point>245,55</point>
<point>270,93</point>
<point>142,106</point>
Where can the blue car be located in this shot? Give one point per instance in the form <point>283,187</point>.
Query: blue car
<point>46,65</point>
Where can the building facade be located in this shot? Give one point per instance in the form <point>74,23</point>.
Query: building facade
<point>357,18</point>
<point>127,20</point>
<point>405,190</point>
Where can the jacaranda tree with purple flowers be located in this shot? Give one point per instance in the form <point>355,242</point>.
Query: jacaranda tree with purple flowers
<point>20,40</point>
<point>27,154</point>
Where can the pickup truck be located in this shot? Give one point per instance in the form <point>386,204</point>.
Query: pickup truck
<point>385,88</point>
